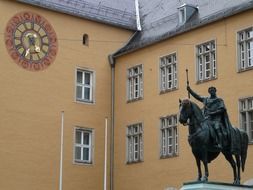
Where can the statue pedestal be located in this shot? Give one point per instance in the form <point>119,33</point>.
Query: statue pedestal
<point>214,186</point>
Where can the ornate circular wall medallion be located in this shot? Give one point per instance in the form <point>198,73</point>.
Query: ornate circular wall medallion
<point>31,41</point>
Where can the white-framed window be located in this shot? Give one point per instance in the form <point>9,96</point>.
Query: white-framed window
<point>245,49</point>
<point>169,136</point>
<point>83,145</point>
<point>134,143</point>
<point>135,83</point>
<point>206,61</point>
<point>84,85</point>
<point>246,116</point>
<point>168,72</point>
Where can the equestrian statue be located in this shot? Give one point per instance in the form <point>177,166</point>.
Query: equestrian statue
<point>211,133</point>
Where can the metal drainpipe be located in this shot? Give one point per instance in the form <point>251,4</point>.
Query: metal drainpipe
<point>112,63</point>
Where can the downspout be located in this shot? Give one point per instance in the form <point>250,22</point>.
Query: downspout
<point>112,63</point>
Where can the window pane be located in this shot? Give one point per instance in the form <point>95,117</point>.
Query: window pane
<point>200,49</point>
<point>207,58</point>
<point>135,129</point>
<point>244,122</point>
<point>207,74</point>
<point>169,132</point>
<point>86,138</point>
<point>162,62</point>
<point>136,142</point>
<point>87,93</point>
<point>242,47</point>
<point>136,70</point>
<point>78,137</point>
<point>86,154</point>
<point>200,62</point>
<point>163,142</point>
<point>175,120</point>
<point>213,46</point>
<point>249,34</point>
<point>87,78</point>
<point>241,36</point>
<point>250,103</point>
<point>207,66</point>
<point>207,47</point>
<point>170,149</point>
<point>79,92</point>
<point>130,148</point>
<point>251,120</point>
<point>78,153</point>
<point>79,77</point>
<point>243,105</point>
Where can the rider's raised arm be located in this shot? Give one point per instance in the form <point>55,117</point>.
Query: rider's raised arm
<point>195,95</point>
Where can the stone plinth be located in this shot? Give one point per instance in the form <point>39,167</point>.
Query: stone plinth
<point>214,186</point>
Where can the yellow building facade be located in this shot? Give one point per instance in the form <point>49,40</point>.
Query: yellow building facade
<point>32,103</point>
<point>78,91</point>
<point>153,172</point>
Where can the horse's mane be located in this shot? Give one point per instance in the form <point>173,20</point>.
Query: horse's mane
<point>198,112</point>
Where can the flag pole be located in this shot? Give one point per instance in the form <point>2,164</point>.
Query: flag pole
<point>105,161</point>
<point>61,155</point>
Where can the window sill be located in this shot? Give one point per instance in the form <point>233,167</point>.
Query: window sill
<point>169,156</point>
<point>206,80</point>
<point>84,101</point>
<point>244,70</point>
<point>82,163</point>
<point>134,162</point>
<point>168,90</point>
<point>134,100</point>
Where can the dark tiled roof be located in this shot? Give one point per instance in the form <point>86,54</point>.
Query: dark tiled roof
<point>120,13</point>
<point>160,18</point>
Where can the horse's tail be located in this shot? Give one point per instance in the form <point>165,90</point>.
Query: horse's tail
<point>244,148</point>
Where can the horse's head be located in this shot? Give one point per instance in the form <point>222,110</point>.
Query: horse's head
<point>185,111</point>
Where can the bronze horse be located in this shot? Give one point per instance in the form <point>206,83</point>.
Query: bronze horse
<point>202,142</point>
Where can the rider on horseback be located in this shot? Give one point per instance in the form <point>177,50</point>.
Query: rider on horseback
<point>215,112</point>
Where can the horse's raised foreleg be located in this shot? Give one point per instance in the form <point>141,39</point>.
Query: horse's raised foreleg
<point>230,159</point>
<point>199,169</point>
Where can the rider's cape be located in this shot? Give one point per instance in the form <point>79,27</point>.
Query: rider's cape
<point>234,137</point>
<point>231,135</point>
